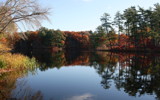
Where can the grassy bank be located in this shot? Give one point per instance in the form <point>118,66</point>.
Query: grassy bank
<point>9,61</point>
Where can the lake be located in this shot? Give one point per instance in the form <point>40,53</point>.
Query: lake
<point>85,76</point>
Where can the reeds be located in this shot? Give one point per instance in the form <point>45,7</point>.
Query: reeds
<point>14,61</point>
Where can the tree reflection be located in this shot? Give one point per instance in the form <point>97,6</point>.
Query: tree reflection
<point>24,92</point>
<point>105,65</point>
<point>47,59</point>
<point>134,73</point>
<point>7,82</point>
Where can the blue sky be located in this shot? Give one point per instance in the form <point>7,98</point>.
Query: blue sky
<point>82,15</point>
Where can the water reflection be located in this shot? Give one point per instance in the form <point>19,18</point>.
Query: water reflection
<point>86,96</point>
<point>8,83</point>
<point>135,74</point>
<point>24,92</point>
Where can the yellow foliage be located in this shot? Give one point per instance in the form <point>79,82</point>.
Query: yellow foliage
<point>8,60</point>
<point>13,61</point>
<point>3,47</point>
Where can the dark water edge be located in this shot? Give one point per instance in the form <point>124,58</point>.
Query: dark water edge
<point>129,51</point>
<point>84,75</point>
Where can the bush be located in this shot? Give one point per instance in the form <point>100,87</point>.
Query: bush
<point>3,47</point>
<point>2,64</point>
<point>8,60</point>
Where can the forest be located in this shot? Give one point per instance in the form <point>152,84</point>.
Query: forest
<point>122,54</point>
<point>136,29</point>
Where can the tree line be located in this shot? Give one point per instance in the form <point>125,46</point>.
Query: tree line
<point>135,29</point>
<point>140,27</point>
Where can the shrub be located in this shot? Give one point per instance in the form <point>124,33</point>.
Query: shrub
<point>3,47</point>
<point>9,60</point>
<point>2,64</point>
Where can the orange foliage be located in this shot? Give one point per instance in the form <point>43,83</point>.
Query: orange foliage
<point>124,43</point>
<point>3,40</point>
<point>81,60</point>
<point>81,37</point>
<point>33,35</point>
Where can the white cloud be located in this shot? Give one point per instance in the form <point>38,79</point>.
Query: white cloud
<point>86,96</point>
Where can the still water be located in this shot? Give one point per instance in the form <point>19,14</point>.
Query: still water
<point>85,76</point>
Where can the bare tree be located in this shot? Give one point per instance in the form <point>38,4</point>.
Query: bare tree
<point>28,12</point>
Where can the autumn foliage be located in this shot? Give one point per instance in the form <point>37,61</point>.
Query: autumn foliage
<point>82,38</point>
<point>58,40</point>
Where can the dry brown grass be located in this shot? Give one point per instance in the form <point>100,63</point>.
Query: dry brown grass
<point>15,61</point>
<point>3,48</point>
